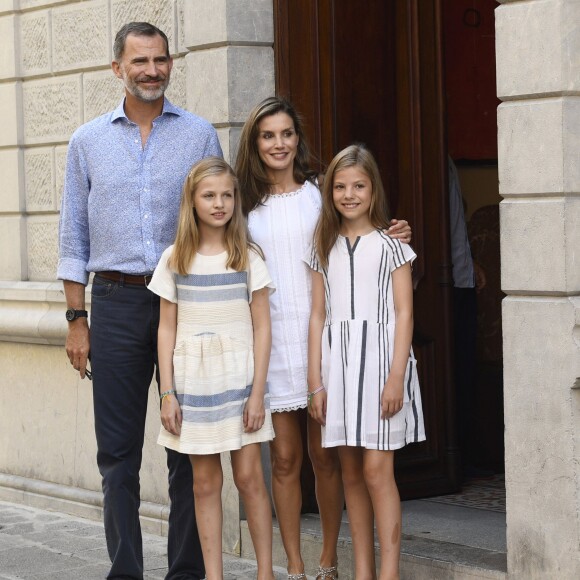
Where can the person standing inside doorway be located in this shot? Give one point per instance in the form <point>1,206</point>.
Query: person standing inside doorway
<point>123,181</point>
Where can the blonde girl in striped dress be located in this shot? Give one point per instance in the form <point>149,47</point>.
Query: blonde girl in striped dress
<point>214,345</point>
<point>362,372</point>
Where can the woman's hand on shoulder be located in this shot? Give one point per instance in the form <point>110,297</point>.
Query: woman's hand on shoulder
<point>254,414</point>
<point>171,415</point>
<point>400,230</point>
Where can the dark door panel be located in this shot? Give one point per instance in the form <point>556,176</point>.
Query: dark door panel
<point>372,72</point>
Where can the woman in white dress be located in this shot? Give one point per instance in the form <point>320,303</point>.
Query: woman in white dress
<point>281,198</point>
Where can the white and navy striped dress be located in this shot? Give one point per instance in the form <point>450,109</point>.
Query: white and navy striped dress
<point>213,360</point>
<point>358,345</point>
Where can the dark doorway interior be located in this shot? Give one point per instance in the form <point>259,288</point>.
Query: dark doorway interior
<point>471,119</point>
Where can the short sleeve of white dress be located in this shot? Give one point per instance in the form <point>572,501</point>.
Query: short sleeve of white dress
<point>402,253</point>
<point>258,275</point>
<point>163,280</point>
<point>311,259</point>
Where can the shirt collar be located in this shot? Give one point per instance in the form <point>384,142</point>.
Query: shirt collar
<point>168,108</point>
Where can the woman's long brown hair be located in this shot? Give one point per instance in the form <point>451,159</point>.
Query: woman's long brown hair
<point>329,222</point>
<point>252,175</point>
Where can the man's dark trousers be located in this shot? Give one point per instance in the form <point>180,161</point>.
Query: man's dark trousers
<point>123,333</point>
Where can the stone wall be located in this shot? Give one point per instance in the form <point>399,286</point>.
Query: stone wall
<point>538,79</point>
<point>55,75</point>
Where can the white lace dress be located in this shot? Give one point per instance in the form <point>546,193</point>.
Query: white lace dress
<point>283,227</point>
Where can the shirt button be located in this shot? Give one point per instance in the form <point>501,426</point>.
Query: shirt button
<point>136,140</point>
<point>146,216</point>
<point>148,242</point>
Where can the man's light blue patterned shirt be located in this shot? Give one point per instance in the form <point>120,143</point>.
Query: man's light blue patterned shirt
<point>121,201</point>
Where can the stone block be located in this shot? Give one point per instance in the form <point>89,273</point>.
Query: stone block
<point>102,92</point>
<point>13,248</point>
<point>539,245</point>
<point>177,92</point>
<point>538,48</point>
<point>52,109</point>
<point>538,144</point>
<point>45,392</point>
<point>228,21</point>
<point>160,13</point>
<point>180,6</point>
<point>207,84</point>
<point>572,237</point>
<point>251,77</point>
<point>231,508</point>
<point>12,172</point>
<point>89,45</point>
<point>541,460</point>
<point>28,4</point>
<point>229,138</point>
<point>10,114</point>
<point>8,60</point>
<point>42,242</point>
<point>223,134</point>
<point>35,43</point>
<point>225,83</point>
<point>59,171</point>
<point>39,179</point>
<point>8,6</point>
<point>205,22</point>
<point>250,21</point>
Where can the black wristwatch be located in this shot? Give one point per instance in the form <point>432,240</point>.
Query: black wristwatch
<point>72,314</point>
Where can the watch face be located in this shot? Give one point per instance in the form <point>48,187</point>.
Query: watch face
<point>70,314</point>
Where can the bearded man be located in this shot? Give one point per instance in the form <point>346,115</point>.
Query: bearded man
<point>123,181</point>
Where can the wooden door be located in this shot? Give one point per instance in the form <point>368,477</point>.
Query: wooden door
<point>371,71</point>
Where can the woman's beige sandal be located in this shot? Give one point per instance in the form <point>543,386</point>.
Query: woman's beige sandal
<point>330,573</point>
<point>300,576</point>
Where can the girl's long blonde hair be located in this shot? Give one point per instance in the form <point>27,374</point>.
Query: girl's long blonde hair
<point>187,238</point>
<point>329,222</point>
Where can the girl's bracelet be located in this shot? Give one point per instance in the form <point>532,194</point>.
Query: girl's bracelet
<point>314,392</point>
<point>166,394</point>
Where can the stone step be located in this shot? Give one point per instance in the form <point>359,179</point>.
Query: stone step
<point>443,543</point>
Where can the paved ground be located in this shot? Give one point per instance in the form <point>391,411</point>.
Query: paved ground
<point>42,545</point>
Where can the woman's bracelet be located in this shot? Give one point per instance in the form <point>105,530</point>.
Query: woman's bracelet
<point>314,392</point>
<point>166,394</point>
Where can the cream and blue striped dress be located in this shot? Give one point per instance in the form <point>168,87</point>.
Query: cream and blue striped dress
<point>358,345</point>
<point>213,360</point>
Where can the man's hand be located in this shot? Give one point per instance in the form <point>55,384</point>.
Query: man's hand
<point>400,230</point>
<point>78,344</point>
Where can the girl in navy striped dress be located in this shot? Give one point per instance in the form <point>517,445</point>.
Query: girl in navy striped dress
<point>362,373</point>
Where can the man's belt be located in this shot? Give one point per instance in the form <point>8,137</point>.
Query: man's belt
<point>131,279</point>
